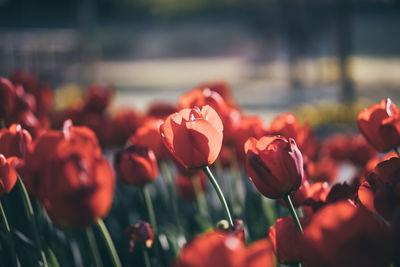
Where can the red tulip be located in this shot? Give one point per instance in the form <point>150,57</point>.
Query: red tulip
<point>230,117</point>
<point>7,97</point>
<point>193,136</point>
<point>341,234</point>
<point>390,130</point>
<point>68,174</point>
<point>124,123</point>
<point>325,169</point>
<point>136,165</point>
<point>223,89</point>
<point>98,98</point>
<point>217,248</point>
<point>8,174</point>
<point>370,121</point>
<point>380,191</point>
<point>148,135</point>
<point>140,232</point>
<point>285,240</point>
<point>274,164</point>
<point>14,141</point>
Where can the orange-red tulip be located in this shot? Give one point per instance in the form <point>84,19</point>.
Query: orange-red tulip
<point>148,135</point>
<point>8,174</point>
<point>341,234</point>
<point>370,121</point>
<point>136,165</point>
<point>274,164</point>
<point>193,136</point>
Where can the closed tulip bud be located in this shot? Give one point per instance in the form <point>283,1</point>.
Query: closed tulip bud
<point>136,165</point>
<point>193,136</point>
<point>8,174</point>
<point>274,164</point>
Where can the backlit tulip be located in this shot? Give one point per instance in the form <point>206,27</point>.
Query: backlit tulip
<point>8,174</point>
<point>274,164</point>
<point>136,165</point>
<point>390,130</point>
<point>193,136</point>
<point>380,190</point>
<point>370,121</point>
<point>341,234</point>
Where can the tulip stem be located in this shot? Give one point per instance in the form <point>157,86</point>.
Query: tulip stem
<point>8,231</point>
<point>150,209</point>
<point>105,235</point>
<point>145,256</point>
<point>293,213</point>
<point>396,149</point>
<point>94,250</point>
<point>30,216</point>
<point>219,193</point>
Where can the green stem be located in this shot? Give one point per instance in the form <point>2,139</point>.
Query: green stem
<point>145,256</point>
<point>219,193</point>
<point>293,213</point>
<point>30,216</point>
<point>94,250</point>
<point>150,209</point>
<point>105,235</point>
<point>396,149</point>
<point>11,244</point>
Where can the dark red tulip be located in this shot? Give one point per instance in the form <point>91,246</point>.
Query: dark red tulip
<point>98,98</point>
<point>14,141</point>
<point>193,136</point>
<point>274,164</point>
<point>222,88</point>
<point>8,174</point>
<point>325,169</point>
<point>161,110</point>
<point>341,234</point>
<point>370,121</point>
<point>285,240</point>
<point>380,191</point>
<point>390,130</point>
<point>136,165</point>
<point>140,232</point>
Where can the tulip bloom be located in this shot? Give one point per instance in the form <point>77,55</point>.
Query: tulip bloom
<point>285,240</point>
<point>8,174</point>
<point>216,248</point>
<point>379,191</point>
<point>274,164</point>
<point>193,136</point>
<point>14,141</point>
<point>341,234</point>
<point>148,135</point>
<point>136,165</point>
<point>390,130</point>
<point>370,121</point>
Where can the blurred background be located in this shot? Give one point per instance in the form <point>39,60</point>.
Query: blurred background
<point>276,54</point>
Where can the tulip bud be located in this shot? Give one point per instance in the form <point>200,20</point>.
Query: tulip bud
<point>140,232</point>
<point>274,164</point>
